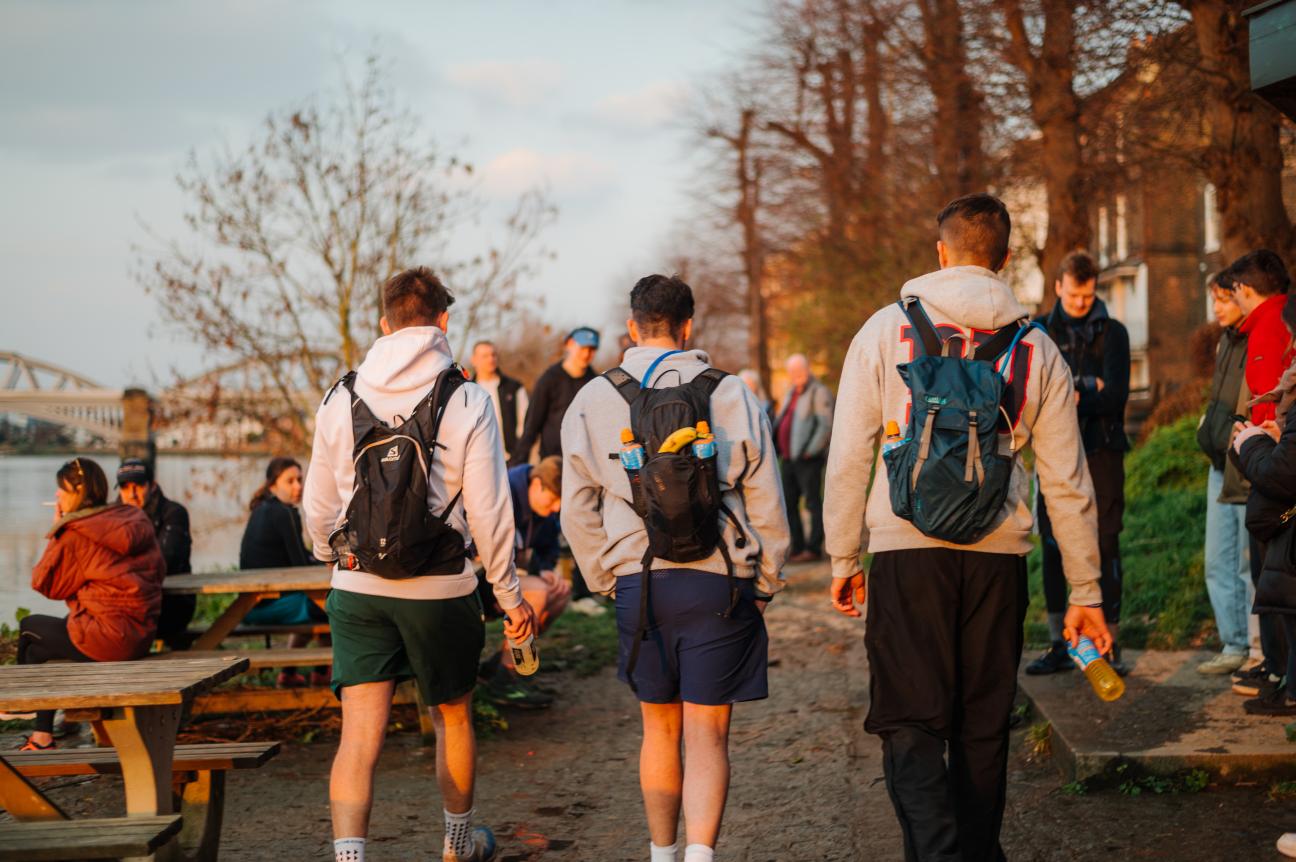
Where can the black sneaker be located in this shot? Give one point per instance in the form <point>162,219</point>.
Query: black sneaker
<point>1053,660</point>
<point>1259,687</point>
<point>1276,702</point>
<point>506,689</point>
<point>1251,674</point>
<point>1114,659</point>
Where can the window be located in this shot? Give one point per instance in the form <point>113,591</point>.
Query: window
<point>1102,236</point>
<point>1122,231</point>
<point>1125,290</point>
<point>1210,221</point>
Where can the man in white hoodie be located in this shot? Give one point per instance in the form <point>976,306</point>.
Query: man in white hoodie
<point>426,627</point>
<point>944,627</point>
<point>703,634</point>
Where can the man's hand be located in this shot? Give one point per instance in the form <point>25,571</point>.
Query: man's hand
<point>1098,381</point>
<point>1089,622</point>
<point>558,588</point>
<point>761,605</point>
<point>520,623</point>
<point>1271,428</point>
<point>849,592</point>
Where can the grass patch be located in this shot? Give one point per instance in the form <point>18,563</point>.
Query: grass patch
<point>1282,791</point>
<point>211,606</point>
<point>1128,779</point>
<point>1165,605</point>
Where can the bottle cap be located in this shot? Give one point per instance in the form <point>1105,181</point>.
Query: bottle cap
<point>892,428</point>
<point>627,436</point>
<point>703,428</point>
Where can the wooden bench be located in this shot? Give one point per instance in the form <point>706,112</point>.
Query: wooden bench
<point>198,780</point>
<point>115,838</point>
<point>258,659</point>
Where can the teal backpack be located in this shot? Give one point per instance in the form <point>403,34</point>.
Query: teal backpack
<point>947,477</point>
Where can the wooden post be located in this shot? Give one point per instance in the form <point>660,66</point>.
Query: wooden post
<point>137,426</point>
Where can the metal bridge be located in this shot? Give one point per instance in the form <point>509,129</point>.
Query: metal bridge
<point>46,391</point>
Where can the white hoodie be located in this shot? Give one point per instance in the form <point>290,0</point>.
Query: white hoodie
<point>972,300</point>
<point>399,370</point>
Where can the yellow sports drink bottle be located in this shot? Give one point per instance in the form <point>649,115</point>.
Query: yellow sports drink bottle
<point>1106,683</point>
<point>526,657</point>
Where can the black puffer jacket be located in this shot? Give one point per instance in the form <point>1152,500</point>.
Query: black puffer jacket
<point>1271,468</point>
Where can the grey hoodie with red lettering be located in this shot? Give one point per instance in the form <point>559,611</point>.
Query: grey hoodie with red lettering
<point>975,302</point>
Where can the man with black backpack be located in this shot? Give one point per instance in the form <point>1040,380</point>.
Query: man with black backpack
<point>671,499</point>
<point>407,465</point>
<point>952,383</point>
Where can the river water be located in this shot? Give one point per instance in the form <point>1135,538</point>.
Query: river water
<point>214,488</point>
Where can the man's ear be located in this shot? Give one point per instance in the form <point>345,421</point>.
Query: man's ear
<point>443,321</point>
<point>384,325</point>
<point>1004,263</point>
<point>632,329</point>
<point>687,332</point>
<point>1057,286</point>
<point>942,254</point>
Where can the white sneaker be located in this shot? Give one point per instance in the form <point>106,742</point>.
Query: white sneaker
<point>589,606</point>
<point>1221,664</point>
<point>1287,845</point>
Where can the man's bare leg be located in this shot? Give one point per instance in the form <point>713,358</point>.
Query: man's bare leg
<point>706,770</point>
<point>456,752</point>
<point>661,769</point>
<point>365,708</point>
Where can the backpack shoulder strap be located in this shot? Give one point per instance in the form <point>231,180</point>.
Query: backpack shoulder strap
<point>928,338</point>
<point>623,383</point>
<point>363,420</point>
<point>346,381</point>
<point>447,384</point>
<point>1000,342</point>
<point>709,379</point>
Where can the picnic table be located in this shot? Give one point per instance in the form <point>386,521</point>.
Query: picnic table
<point>136,706</point>
<point>249,586</point>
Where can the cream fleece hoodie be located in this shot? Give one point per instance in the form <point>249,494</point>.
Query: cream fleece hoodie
<point>871,392</point>
<point>609,539</point>
<point>398,372</point>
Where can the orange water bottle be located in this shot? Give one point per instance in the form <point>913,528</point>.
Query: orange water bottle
<point>892,436</point>
<point>1106,683</point>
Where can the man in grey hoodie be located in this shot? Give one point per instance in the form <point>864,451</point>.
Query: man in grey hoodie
<point>697,659</point>
<point>944,626</point>
<point>428,627</point>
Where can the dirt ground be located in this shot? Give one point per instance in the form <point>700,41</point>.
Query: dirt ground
<point>807,781</point>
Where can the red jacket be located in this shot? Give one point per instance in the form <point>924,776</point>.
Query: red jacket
<point>1268,343</point>
<point>106,563</point>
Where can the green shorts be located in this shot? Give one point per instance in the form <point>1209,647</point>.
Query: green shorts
<point>437,642</point>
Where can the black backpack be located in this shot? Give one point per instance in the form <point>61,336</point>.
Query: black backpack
<point>677,494</point>
<point>948,478</point>
<point>389,530</point>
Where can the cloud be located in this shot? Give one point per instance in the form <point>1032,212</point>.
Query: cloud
<point>567,173</point>
<point>514,83</point>
<point>649,107</point>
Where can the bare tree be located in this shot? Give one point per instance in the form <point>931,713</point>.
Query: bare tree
<point>959,120</point>
<point>291,239</point>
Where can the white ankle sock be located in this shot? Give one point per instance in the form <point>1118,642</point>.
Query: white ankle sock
<point>662,854</point>
<point>348,850</point>
<point>699,853</point>
<point>458,839</point>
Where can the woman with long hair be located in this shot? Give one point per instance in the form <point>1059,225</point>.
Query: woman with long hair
<point>103,560</point>
<point>273,540</point>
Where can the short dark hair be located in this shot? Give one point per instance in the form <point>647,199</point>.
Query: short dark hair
<point>1262,270</point>
<point>661,305</point>
<point>415,297</point>
<point>977,225</point>
<point>485,342</point>
<point>85,477</point>
<point>1220,281</point>
<point>1080,266</point>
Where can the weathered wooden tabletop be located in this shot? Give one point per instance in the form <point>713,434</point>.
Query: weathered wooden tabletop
<point>101,685</point>
<point>251,581</point>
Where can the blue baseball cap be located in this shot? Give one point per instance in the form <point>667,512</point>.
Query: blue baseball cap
<point>584,336</point>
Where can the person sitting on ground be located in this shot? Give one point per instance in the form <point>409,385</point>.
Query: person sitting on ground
<point>537,496</point>
<point>700,622</point>
<point>1228,568</point>
<point>104,561</point>
<point>136,487</point>
<point>802,430</point>
<point>273,540</point>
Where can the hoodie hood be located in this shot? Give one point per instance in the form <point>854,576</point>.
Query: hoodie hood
<point>637,360</point>
<point>122,529</point>
<point>405,361</point>
<point>972,295</point>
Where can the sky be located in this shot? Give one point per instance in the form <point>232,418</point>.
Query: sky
<point>101,101</point>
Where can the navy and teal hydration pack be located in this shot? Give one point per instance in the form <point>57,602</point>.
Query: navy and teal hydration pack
<point>947,477</point>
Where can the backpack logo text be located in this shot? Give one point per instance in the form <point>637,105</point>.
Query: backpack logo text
<point>393,454</point>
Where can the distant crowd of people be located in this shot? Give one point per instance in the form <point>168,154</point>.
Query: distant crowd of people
<point>443,498</point>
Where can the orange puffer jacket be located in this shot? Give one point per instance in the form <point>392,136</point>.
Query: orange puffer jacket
<point>106,564</point>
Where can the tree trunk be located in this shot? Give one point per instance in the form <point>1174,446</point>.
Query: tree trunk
<point>1244,157</point>
<point>956,134</point>
<point>748,174</point>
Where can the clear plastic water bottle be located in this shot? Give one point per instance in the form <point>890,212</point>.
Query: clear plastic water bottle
<point>1106,683</point>
<point>892,436</point>
<point>632,452</point>
<point>526,656</point>
<point>704,446</point>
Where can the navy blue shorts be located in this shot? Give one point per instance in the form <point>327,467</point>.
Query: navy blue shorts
<point>691,652</point>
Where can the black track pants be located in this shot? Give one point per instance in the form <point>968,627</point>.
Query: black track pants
<point>1107,469</point>
<point>944,641</point>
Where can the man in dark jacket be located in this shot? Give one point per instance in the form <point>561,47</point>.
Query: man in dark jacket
<point>802,430</point>
<point>508,395</point>
<point>171,525</point>
<point>553,393</point>
<point>1228,570</point>
<point>1096,349</point>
